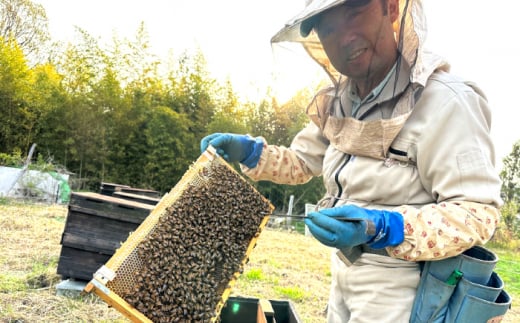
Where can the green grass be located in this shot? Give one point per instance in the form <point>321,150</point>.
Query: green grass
<point>252,279</point>
<point>509,270</point>
<point>3,200</point>
<point>299,226</point>
<point>12,283</point>
<point>41,275</point>
<point>254,274</point>
<point>291,292</point>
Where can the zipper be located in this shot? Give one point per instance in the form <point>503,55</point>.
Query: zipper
<point>338,184</point>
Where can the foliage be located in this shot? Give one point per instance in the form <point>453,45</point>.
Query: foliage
<point>229,114</point>
<point>11,160</point>
<point>26,22</point>
<point>510,217</point>
<point>168,143</point>
<point>279,124</point>
<point>508,233</point>
<point>17,116</point>
<point>116,113</point>
<point>16,160</point>
<point>510,175</point>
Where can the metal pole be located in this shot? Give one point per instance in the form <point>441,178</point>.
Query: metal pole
<point>24,169</point>
<point>288,220</point>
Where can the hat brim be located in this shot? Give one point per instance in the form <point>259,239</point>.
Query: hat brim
<point>300,26</point>
<point>307,25</point>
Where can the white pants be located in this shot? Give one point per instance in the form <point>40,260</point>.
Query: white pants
<point>374,289</point>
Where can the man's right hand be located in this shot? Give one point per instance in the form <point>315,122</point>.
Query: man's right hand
<point>235,148</point>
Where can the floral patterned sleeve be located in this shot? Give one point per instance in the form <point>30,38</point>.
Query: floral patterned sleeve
<point>443,230</point>
<point>280,165</point>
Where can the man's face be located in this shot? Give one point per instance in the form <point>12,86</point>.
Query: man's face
<point>358,37</point>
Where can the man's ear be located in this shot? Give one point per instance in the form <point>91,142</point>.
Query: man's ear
<point>393,10</point>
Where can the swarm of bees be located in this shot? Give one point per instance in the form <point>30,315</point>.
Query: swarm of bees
<point>197,248</point>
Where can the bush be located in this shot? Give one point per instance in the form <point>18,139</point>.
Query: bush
<point>507,234</point>
<point>13,160</point>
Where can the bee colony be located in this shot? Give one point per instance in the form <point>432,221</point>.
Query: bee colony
<point>181,263</point>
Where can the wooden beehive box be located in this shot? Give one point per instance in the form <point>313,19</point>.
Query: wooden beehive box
<point>78,264</point>
<point>110,188</point>
<point>137,198</point>
<point>96,226</point>
<point>139,191</point>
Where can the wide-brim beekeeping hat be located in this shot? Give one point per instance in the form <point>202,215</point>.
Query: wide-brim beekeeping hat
<point>410,30</point>
<point>301,25</point>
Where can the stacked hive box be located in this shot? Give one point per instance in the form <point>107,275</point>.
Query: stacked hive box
<point>138,191</point>
<point>112,189</point>
<point>137,198</point>
<point>130,193</point>
<point>96,226</point>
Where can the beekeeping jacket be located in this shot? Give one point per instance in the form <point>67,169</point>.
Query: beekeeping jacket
<point>420,145</point>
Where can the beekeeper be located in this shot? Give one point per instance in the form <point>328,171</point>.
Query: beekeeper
<point>403,146</point>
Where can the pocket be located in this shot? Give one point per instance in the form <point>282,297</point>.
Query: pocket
<point>475,309</point>
<point>468,291</point>
<point>478,264</point>
<point>432,298</point>
<point>433,294</point>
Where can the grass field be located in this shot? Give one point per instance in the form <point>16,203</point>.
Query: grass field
<point>284,266</point>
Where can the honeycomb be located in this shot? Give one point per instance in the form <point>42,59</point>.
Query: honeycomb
<point>182,261</point>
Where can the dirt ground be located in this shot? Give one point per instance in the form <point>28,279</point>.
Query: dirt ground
<point>282,266</point>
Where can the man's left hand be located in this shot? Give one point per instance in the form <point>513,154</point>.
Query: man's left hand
<point>326,226</point>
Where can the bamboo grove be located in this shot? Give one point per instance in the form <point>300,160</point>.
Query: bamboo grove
<point>116,113</point>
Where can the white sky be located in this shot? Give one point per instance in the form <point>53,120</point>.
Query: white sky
<point>478,37</point>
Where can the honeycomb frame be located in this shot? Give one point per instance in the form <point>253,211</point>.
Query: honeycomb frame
<point>118,275</point>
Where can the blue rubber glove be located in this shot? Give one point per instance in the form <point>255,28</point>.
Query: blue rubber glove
<point>326,228</point>
<point>235,148</point>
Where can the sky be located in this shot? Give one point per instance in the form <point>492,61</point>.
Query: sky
<point>479,38</point>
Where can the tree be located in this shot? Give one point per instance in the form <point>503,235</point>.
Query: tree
<point>17,116</point>
<point>27,23</point>
<point>168,140</point>
<point>510,175</point>
<point>279,124</point>
<point>82,66</point>
<point>48,98</point>
<point>229,114</point>
<point>193,91</point>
